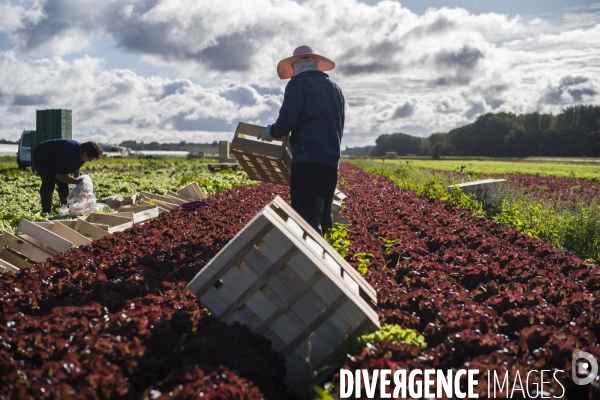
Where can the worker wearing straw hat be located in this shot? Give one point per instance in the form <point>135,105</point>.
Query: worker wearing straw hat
<point>312,114</point>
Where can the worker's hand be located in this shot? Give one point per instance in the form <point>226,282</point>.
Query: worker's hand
<point>266,134</point>
<point>77,181</point>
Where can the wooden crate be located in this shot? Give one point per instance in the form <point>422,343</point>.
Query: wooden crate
<point>114,222</point>
<point>484,190</point>
<point>339,196</point>
<point>263,161</point>
<point>336,205</point>
<point>163,198</point>
<point>37,243</point>
<point>5,266</point>
<point>279,277</point>
<point>178,196</point>
<point>115,204</point>
<point>167,205</point>
<point>42,235</point>
<point>25,248</point>
<point>93,231</point>
<point>64,231</point>
<point>145,202</point>
<point>14,260</point>
<point>192,191</point>
<point>175,200</point>
<point>141,213</point>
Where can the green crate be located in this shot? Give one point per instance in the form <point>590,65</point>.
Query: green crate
<point>52,124</point>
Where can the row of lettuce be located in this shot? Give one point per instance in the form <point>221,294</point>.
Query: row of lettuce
<point>114,319</point>
<point>561,211</point>
<point>482,295</point>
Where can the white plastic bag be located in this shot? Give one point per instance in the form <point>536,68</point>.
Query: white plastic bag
<point>116,197</point>
<point>100,207</point>
<point>81,200</point>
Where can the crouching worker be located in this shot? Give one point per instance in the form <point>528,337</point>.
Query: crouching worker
<point>54,160</point>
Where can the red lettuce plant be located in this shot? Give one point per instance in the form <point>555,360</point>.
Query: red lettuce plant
<point>482,294</point>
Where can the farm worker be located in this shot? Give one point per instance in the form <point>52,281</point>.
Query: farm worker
<point>54,160</point>
<point>312,114</point>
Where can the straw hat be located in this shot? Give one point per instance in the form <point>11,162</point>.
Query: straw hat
<point>285,69</point>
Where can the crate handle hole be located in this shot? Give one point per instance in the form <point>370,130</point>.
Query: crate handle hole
<point>218,283</point>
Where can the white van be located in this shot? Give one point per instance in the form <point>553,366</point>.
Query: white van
<point>24,152</point>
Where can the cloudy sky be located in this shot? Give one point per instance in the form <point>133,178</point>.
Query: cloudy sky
<point>171,70</point>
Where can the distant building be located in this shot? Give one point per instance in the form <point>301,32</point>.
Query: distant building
<point>109,150</point>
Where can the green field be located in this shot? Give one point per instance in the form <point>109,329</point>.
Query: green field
<point>588,171</point>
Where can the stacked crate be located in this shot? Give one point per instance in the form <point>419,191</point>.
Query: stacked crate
<point>336,207</point>
<point>262,161</point>
<point>17,253</point>
<point>37,241</point>
<point>52,124</point>
<point>171,200</point>
<point>223,151</point>
<point>279,277</point>
<point>115,204</point>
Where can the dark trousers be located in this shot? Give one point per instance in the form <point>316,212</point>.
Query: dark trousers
<point>49,181</point>
<point>312,189</point>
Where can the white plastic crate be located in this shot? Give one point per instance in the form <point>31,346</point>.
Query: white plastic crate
<point>484,190</point>
<point>279,277</point>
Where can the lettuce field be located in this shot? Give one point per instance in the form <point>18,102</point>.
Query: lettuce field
<point>554,168</point>
<point>19,189</point>
<point>460,283</point>
<point>564,212</point>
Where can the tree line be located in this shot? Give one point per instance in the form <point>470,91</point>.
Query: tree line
<point>575,132</point>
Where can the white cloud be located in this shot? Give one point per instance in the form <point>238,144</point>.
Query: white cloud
<point>10,16</point>
<point>122,104</point>
<point>398,70</point>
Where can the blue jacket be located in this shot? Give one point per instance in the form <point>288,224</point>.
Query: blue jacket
<point>57,156</point>
<point>313,111</point>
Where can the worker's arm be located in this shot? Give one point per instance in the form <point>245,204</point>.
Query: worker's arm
<point>67,179</point>
<point>76,174</point>
<point>293,100</point>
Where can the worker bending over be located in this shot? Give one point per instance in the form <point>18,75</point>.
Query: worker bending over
<point>54,160</point>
